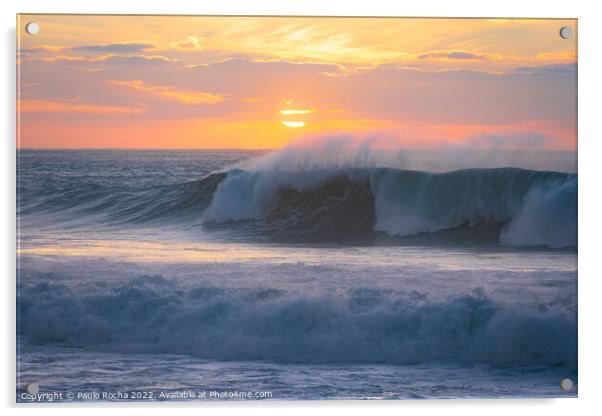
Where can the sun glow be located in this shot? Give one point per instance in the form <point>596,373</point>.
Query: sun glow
<point>261,82</point>
<point>294,112</point>
<point>294,124</point>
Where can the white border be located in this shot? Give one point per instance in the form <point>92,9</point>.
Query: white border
<point>590,199</point>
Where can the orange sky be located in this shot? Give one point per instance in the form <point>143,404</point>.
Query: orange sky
<point>261,82</point>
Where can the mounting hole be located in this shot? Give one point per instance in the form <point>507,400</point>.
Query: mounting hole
<point>32,28</point>
<point>32,388</point>
<point>566,32</point>
<point>566,384</point>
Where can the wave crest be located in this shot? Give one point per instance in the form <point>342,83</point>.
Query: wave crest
<point>529,207</point>
<point>361,325</point>
<point>293,194</point>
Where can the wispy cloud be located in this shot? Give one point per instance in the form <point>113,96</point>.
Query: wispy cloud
<point>191,43</point>
<point>43,106</point>
<point>186,97</point>
<point>126,47</point>
<point>453,55</point>
<point>108,59</point>
<point>570,69</point>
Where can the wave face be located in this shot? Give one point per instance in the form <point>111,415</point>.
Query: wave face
<point>359,325</point>
<point>521,207</point>
<point>274,197</point>
<point>538,208</point>
<point>80,200</point>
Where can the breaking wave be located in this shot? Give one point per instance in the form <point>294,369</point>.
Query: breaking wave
<point>520,207</point>
<point>509,206</point>
<point>360,325</point>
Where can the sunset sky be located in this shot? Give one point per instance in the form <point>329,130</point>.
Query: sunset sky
<point>262,82</point>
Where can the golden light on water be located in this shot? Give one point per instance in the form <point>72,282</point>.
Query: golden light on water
<point>293,124</point>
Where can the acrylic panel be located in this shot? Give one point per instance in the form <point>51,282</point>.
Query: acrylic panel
<point>291,208</point>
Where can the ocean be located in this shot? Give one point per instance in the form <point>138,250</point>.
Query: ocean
<point>231,275</point>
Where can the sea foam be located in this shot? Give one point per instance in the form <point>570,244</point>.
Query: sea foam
<point>358,325</point>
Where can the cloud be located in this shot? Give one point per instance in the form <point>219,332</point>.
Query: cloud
<point>191,43</point>
<point>42,49</point>
<point>186,97</point>
<point>44,106</point>
<point>143,60</point>
<point>126,47</point>
<point>452,55</point>
<point>560,69</point>
<point>172,90</point>
<point>558,56</point>
<point>349,41</point>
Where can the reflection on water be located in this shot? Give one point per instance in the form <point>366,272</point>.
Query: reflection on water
<point>172,251</point>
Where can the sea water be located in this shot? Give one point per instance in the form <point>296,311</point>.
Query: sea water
<point>197,275</point>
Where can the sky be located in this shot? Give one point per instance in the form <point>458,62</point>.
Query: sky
<point>263,82</point>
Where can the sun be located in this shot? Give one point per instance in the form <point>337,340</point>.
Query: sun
<point>294,115</point>
<point>293,124</point>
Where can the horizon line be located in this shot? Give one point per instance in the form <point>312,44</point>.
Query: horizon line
<point>240,148</point>
<point>145,148</point>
